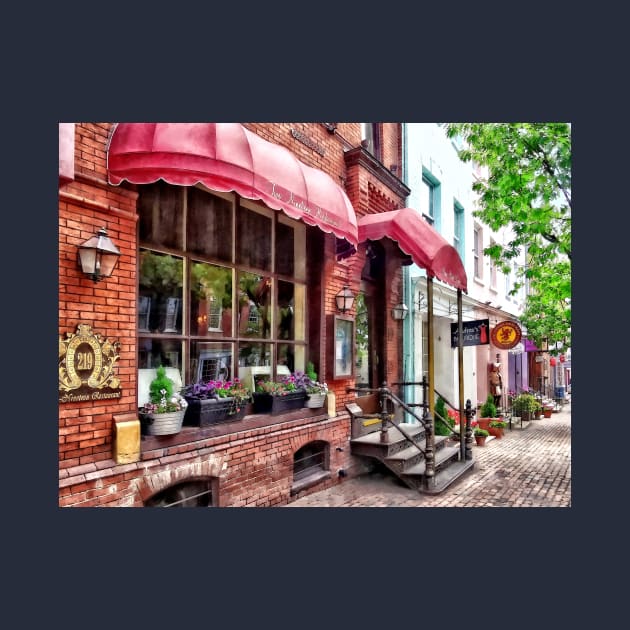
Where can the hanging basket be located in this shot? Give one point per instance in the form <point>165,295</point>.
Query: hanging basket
<point>163,423</point>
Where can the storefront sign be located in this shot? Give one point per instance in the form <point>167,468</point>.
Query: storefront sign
<point>475,333</point>
<point>506,335</point>
<point>288,197</point>
<point>304,139</point>
<point>86,367</point>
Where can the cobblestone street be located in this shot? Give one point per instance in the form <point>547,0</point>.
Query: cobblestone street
<point>529,467</point>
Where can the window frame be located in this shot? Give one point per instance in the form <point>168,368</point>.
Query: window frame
<point>189,337</point>
<point>432,214</point>
<point>478,252</point>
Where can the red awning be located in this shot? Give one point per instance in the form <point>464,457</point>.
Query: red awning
<point>416,238</point>
<point>228,157</point>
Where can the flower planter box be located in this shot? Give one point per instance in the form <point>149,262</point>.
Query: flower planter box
<point>162,423</point>
<point>207,411</point>
<point>266,403</point>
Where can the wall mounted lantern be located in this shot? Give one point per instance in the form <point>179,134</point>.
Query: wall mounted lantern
<point>98,256</point>
<point>344,299</point>
<point>399,311</point>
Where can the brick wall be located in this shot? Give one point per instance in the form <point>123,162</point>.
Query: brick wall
<point>254,467</point>
<point>109,306</point>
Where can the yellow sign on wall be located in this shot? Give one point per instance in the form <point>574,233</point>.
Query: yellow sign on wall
<point>86,367</point>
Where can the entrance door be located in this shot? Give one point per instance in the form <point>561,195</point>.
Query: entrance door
<point>370,334</point>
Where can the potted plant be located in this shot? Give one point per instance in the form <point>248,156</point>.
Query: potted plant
<point>480,436</point>
<point>276,397</point>
<point>316,391</point>
<point>487,412</point>
<point>496,428</point>
<point>525,404</point>
<point>547,408</point>
<point>442,423</point>
<point>164,413</point>
<point>215,401</point>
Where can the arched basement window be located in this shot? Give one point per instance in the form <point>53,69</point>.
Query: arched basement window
<point>196,493</point>
<point>310,465</point>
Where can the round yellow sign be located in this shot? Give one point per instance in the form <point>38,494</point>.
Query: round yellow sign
<point>506,335</point>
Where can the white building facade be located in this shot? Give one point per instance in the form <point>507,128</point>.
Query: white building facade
<point>441,191</point>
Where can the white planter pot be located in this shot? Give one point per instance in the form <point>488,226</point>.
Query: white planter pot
<point>165,423</point>
<point>315,401</point>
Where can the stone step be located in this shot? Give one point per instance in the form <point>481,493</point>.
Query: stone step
<point>442,479</point>
<point>442,458</point>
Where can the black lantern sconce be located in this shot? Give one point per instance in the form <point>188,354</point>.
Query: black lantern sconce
<point>344,299</point>
<point>399,312</point>
<point>98,256</point>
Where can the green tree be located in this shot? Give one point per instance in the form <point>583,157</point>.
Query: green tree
<point>528,189</point>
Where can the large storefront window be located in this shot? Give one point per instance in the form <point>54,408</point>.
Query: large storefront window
<point>222,288</point>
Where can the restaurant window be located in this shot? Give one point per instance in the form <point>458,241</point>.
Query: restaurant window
<point>224,291</point>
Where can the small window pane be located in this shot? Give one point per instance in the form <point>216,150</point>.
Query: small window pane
<point>184,494</point>
<point>253,241</point>
<point>285,315</point>
<point>209,229</point>
<point>160,209</point>
<point>254,361</point>
<point>155,352</point>
<point>285,250</point>
<point>254,300</point>
<point>160,292</point>
<point>210,361</point>
<point>211,300</point>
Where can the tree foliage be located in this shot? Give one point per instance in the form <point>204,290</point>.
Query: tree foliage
<point>528,189</point>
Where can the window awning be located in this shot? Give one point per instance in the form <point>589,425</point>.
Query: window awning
<point>227,157</point>
<point>416,238</point>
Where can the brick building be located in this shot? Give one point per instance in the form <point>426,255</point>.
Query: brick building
<point>178,198</point>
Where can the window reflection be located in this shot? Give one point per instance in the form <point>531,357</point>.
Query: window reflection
<point>254,304</point>
<point>253,243</point>
<point>160,293</point>
<point>211,300</point>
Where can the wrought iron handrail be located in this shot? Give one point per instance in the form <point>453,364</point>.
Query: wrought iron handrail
<point>467,413</point>
<point>386,393</point>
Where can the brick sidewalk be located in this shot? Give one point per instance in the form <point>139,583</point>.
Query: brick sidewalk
<point>529,467</point>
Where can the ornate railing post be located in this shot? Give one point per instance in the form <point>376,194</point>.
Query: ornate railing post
<point>383,392</point>
<point>429,450</point>
<point>469,412</point>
